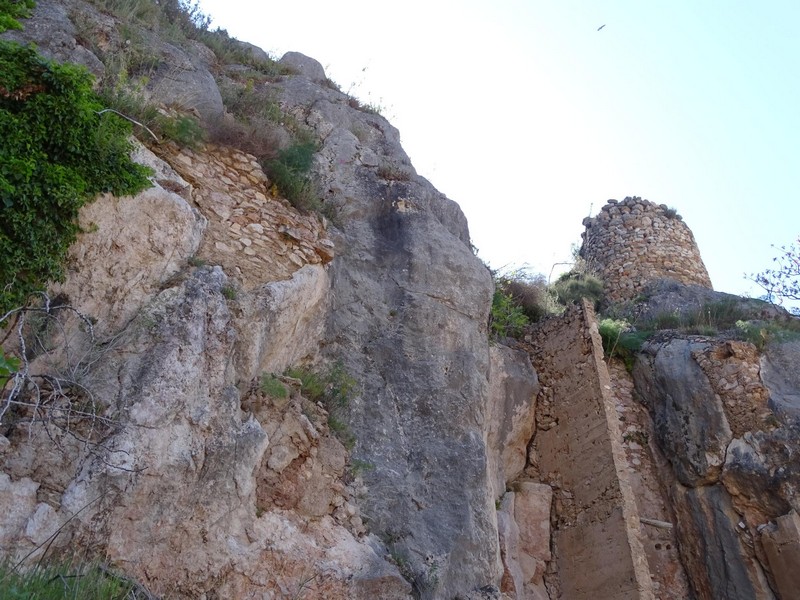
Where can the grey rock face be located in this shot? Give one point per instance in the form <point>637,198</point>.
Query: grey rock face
<point>510,420</point>
<point>689,421</point>
<point>408,318</point>
<point>737,486</point>
<point>183,80</point>
<point>716,551</point>
<point>54,34</point>
<point>780,370</point>
<point>304,66</point>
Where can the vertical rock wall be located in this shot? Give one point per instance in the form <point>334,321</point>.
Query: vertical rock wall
<point>633,242</point>
<point>598,550</point>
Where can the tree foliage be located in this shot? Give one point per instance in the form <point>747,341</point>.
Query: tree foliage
<point>56,153</point>
<point>782,282</point>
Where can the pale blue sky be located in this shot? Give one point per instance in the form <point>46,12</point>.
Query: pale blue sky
<point>528,117</point>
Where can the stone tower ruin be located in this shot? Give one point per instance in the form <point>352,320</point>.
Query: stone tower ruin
<point>633,242</point>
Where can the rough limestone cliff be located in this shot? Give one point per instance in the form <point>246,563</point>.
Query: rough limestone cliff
<point>457,468</point>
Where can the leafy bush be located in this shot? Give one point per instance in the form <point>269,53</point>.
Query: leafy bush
<point>571,287</point>
<point>506,319</point>
<point>761,333</point>
<point>333,387</point>
<point>11,10</point>
<point>290,174</point>
<point>621,340</point>
<point>56,153</point>
<point>531,293</point>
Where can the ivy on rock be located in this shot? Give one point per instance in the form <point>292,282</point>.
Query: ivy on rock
<point>57,152</point>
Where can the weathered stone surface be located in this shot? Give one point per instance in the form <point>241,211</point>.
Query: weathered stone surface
<point>130,247</point>
<point>762,472</point>
<point>54,34</point>
<point>717,552</point>
<point>304,66</point>
<point>781,375</point>
<point>182,80</point>
<point>293,309</point>
<point>408,318</point>
<point>182,438</point>
<point>689,418</point>
<point>255,237</point>
<point>510,417</point>
<point>523,522</point>
<point>650,476</point>
<point>781,542</point>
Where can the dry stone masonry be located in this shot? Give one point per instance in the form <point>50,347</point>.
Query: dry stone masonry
<point>251,233</point>
<point>633,242</point>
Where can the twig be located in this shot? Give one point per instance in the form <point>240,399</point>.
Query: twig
<point>116,112</point>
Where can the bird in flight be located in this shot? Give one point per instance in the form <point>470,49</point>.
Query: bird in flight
<point>601,26</point>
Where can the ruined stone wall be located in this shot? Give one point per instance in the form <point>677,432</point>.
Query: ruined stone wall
<point>633,242</point>
<point>253,234</point>
<point>577,449</point>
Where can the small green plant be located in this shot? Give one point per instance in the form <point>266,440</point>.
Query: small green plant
<point>229,292</point>
<point>290,174</point>
<point>342,431</point>
<point>571,287</point>
<point>530,292</point>
<point>196,261</point>
<point>761,333</point>
<point>621,340</point>
<point>63,581</point>
<point>506,319</point>
<point>273,387</point>
<point>358,466</point>
<point>11,10</point>
<point>638,437</point>
<point>9,365</point>
<point>334,388</point>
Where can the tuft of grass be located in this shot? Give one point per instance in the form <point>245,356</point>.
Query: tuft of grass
<point>63,581</point>
<point>334,388</point>
<point>273,387</point>
<point>229,292</point>
<point>761,333</point>
<point>571,287</point>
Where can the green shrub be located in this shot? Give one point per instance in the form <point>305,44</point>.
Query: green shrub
<point>531,293</point>
<point>56,154</point>
<point>621,340</point>
<point>290,174</point>
<point>573,286</point>
<point>9,365</point>
<point>11,10</point>
<point>506,319</point>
